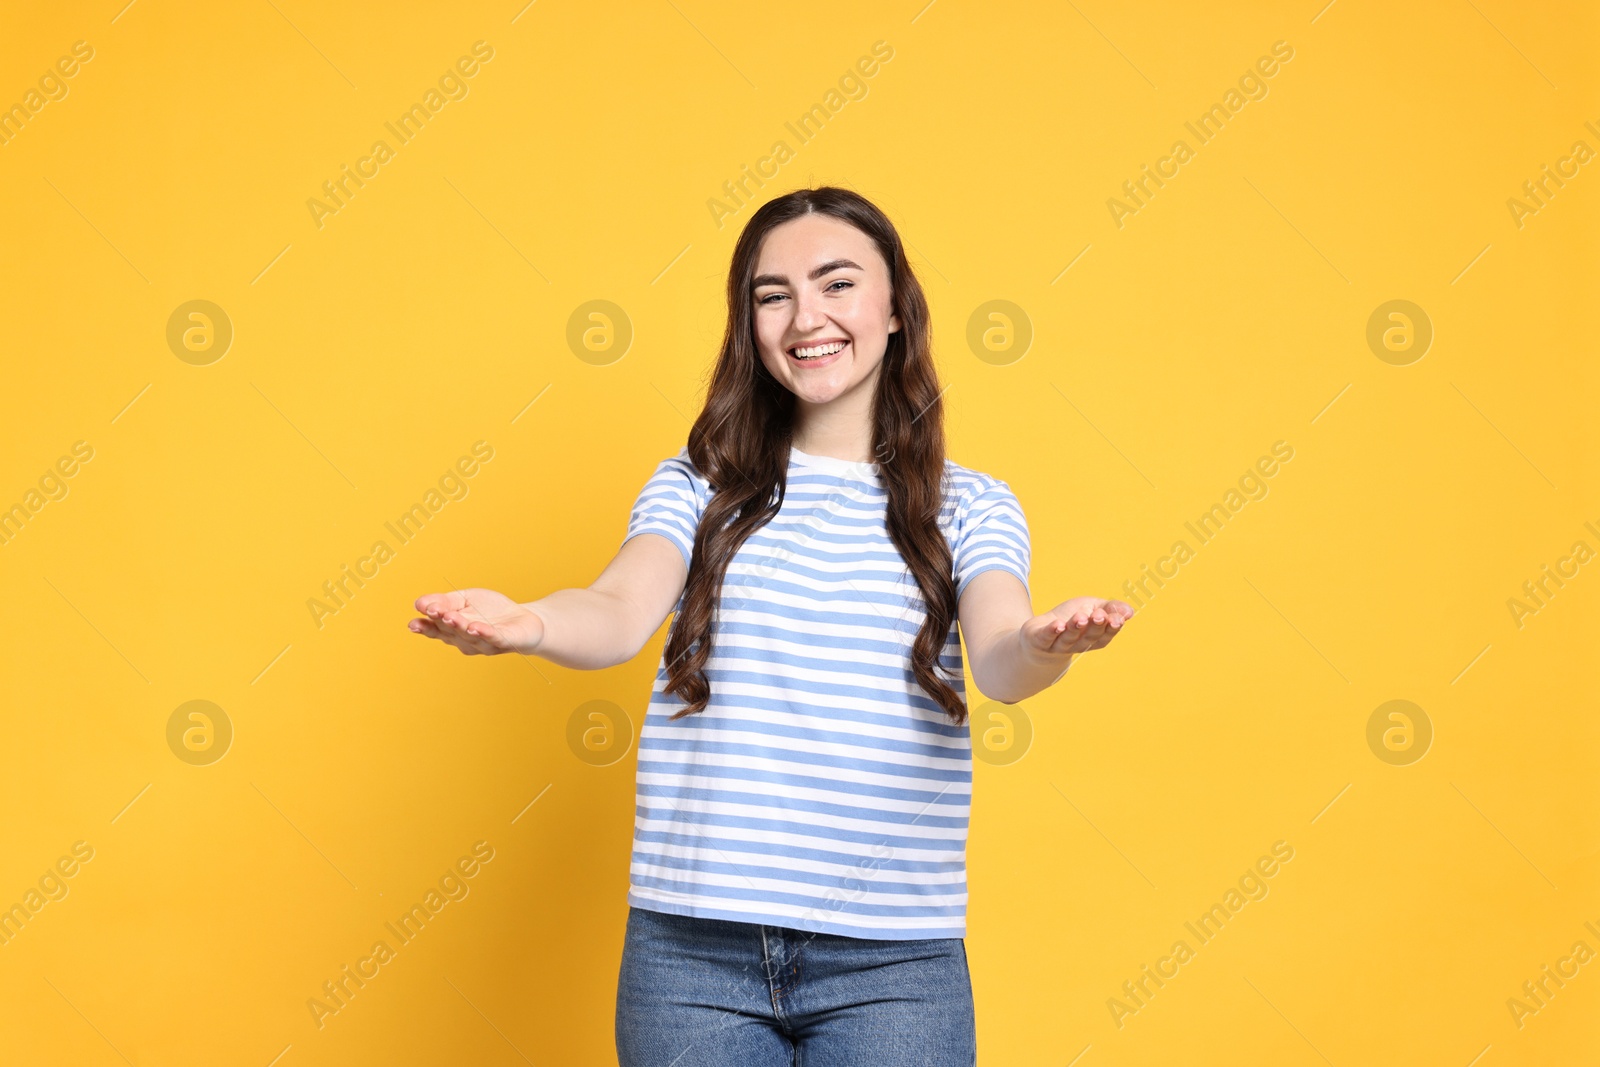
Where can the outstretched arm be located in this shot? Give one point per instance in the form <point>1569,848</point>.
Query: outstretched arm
<point>586,629</point>
<point>1015,653</point>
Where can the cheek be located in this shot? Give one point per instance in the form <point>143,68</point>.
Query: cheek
<point>766,344</point>
<point>770,330</point>
<point>871,315</point>
<point>767,329</point>
<point>867,322</point>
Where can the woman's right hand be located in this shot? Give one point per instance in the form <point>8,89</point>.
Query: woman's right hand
<point>479,622</point>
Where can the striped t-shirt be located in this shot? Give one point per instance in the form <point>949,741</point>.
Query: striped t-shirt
<point>821,788</point>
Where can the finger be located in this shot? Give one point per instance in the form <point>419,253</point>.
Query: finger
<point>485,635</point>
<point>428,628</point>
<point>450,637</point>
<point>435,604</point>
<point>1081,630</point>
<point>474,645</point>
<point>425,627</point>
<point>1053,632</point>
<point>455,630</point>
<point>468,633</point>
<point>474,627</point>
<point>1058,634</point>
<point>1053,635</point>
<point>1118,625</point>
<point>457,621</point>
<point>1085,632</point>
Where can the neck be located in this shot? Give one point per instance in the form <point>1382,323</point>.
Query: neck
<point>840,429</point>
<point>851,451</point>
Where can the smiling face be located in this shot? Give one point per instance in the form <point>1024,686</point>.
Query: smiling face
<point>822,290</point>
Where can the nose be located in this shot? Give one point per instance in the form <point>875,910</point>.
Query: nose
<point>808,312</point>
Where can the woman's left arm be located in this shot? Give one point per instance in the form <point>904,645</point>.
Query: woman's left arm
<point>1015,653</point>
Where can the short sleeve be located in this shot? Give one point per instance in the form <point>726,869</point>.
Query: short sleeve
<point>991,534</point>
<point>670,504</point>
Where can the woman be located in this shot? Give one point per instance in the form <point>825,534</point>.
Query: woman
<point>798,884</point>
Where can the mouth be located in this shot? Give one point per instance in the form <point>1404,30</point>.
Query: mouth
<point>818,353</point>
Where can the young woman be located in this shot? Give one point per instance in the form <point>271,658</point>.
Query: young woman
<point>798,883</point>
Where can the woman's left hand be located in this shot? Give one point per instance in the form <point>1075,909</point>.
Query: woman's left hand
<point>1081,624</point>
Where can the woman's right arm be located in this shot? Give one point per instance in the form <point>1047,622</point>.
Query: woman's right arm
<point>585,629</point>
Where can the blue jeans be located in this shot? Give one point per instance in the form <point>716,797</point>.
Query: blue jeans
<point>713,993</point>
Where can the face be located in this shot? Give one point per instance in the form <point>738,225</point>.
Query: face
<point>822,289</point>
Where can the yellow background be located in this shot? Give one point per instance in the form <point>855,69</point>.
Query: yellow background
<point>369,354</point>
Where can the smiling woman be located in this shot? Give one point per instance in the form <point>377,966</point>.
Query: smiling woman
<point>805,762</point>
<point>824,336</point>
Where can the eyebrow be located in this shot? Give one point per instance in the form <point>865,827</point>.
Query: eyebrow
<point>783,279</point>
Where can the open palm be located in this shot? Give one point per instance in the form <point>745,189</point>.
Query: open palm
<point>479,622</point>
<point>1081,624</point>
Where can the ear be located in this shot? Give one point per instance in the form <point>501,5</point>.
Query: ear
<point>894,323</point>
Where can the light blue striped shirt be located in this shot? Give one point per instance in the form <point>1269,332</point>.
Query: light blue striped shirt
<point>821,788</point>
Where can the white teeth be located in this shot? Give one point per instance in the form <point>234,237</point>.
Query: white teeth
<point>818,350</point>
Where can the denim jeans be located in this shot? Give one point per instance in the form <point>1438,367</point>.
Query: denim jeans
<point>714,993</point>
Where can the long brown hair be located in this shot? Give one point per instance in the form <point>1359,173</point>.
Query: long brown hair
<point>740,444</point>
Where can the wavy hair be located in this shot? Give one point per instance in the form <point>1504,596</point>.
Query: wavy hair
<point>740,443</point>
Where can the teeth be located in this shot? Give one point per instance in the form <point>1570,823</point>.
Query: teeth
<point>818,350</point>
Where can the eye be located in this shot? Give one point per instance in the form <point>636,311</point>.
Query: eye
<point>768,298</point>
<point>841,281</point>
